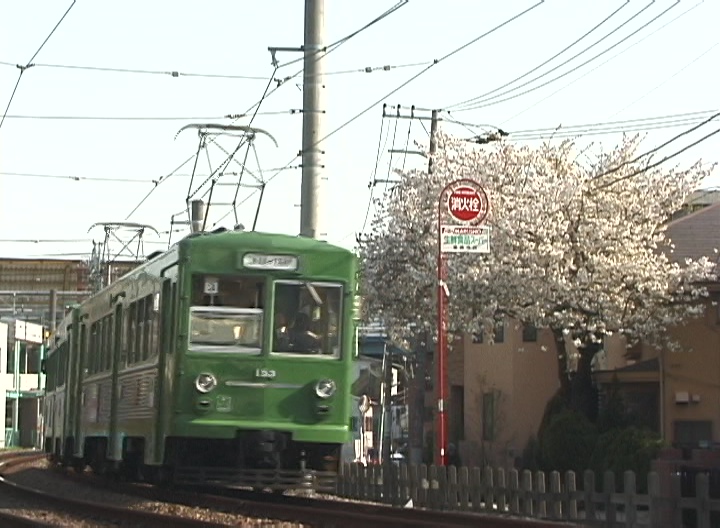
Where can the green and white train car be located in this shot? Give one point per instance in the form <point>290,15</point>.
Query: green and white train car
<point>232,349</point>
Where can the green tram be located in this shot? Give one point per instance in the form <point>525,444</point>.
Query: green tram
<point>230,350</point>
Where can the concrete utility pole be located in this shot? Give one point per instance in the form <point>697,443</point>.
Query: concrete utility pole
<point>311,195</point>
<point>422,344</point>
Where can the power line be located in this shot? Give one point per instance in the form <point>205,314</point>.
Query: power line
<point>498,98</point>
<point>606,61</point>
<point>659,147</point>
<point>603,128</point>
<point>29,63</point>
<point>571,45</point>
<point>374,175</point>
<point>658,163</point>
<point>668,79</point>
<point>434,63</point>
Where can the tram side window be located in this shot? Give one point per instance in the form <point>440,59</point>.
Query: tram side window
<point>132,332</point>
<point>107,339</point>
<point>50,372</point>
<point>101,346</point>
<point>150,324</point>
<point>84,354</point>
<point>139,335</point>
<point>61,364</point>
<point>94,348</point>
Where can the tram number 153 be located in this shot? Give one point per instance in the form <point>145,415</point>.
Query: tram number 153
<point>265,373</point>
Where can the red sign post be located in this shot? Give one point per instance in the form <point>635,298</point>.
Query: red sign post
<point>467,204</point>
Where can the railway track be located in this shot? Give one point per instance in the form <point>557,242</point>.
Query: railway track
<point>311,512</point>
<point>81,509</point>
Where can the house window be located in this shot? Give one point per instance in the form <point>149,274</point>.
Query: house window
<point>499,331</point>
<point>489,403</point>
<point>529,333</point>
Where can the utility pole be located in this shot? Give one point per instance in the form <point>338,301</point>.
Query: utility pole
<point>387,404</point>
<point>423,336</point>
<point>311,199</point>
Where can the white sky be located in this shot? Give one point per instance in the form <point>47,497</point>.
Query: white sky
<point>671,71</point>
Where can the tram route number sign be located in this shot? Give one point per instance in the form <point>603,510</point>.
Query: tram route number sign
<point>464,239</point>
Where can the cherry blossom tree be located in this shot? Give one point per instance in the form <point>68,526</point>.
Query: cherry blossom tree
<point>577,246</point>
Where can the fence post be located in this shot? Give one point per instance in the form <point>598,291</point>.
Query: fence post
<point>527,493</point>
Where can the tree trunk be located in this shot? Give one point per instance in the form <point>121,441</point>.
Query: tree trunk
<point>576,387</point>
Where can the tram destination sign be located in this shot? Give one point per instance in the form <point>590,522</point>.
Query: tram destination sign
<point>464,239</point>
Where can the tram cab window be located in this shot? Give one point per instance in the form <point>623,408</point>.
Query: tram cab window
<point>307,318</point>
<point>226,314</point>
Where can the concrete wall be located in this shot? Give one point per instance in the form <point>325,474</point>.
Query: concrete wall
<point>524,376</point>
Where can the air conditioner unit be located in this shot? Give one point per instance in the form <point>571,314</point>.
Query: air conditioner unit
<point>695,398</point>
<point>682,397</point>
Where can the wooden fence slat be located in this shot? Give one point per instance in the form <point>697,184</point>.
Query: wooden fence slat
<point>464,488</point>
<point>452,499</point>
<point>526,491</point>
<point>571,510</point>
<point>538,495</point>
<point>513,491</point>
<point>477,483</point>
<point>629,490</point>
<point>608,491</point>
<point>702,485</point>
<point>541,500</point>
<point>488,489</point>
<point>556,490</point>
<point>589,500</point>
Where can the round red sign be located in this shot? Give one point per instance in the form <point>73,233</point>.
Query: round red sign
<point>467,204</point>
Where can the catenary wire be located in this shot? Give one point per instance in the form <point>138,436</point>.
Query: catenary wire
<point>256,105</point>
<point>148,118</point>
<point>340,42</point>
<point>498,98</point>
<point>176,74</point>
<point>398,88</point>
<point>29,63</point>
<point>596,128</point>
<point>567,48</point>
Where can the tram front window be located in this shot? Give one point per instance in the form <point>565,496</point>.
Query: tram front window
<point>220,329</point>
<point>307,318</point>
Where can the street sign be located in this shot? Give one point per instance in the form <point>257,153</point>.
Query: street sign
<point>464,239</point>
<point>467,204</point>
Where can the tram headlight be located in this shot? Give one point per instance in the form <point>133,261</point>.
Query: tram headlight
<point>325,388</point>
<point>205,382</point>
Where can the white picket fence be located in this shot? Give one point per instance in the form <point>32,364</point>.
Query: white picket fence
<point>538,495</point>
